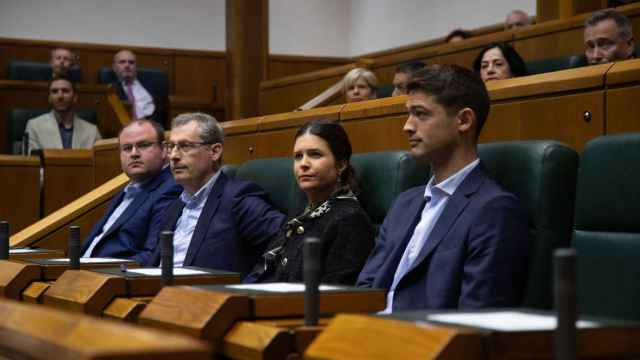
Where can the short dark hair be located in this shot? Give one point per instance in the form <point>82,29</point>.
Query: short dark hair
<point>454,88</point>
<point>516,64</point>
<point>457,32</point>
<point>65,78</point>
<point>339,144</point>
<point>625,30</point>
<point>410,67</point>
<point>156,127</point>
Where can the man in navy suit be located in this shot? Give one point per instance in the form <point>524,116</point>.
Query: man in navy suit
<point>130,227</point>
<point>218,222</point>
<point>461,240</point>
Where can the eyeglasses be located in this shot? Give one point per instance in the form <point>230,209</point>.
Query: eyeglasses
<point>183,146</point>
<point>141,146</point>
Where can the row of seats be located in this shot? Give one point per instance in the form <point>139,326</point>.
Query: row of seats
<point>543,174</point>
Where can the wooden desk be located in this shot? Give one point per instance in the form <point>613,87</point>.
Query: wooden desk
<point>412,336</point>
<point>34,94</point>
<point>34,332</point>
<point>19,190</point>
<point>92,291</point>
<point>208,312</point>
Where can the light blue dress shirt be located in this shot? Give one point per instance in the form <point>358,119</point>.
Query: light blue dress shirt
<point>436,197</point>
<point>130,192</point>
<point>188,220</point>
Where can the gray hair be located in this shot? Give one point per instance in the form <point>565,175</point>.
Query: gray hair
<point>210,130</point>
<point>625,30</point>
<point>357,73</point>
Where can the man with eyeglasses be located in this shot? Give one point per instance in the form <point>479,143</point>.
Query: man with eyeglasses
<point>129,230</point>
<point>218,222</point>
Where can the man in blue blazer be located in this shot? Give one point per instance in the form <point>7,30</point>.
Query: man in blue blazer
<point>218,222</point>
<point>130,227</point>
<point>460,241</point>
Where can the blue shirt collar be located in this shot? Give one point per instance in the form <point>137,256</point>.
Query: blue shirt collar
<point>449,185</point>
<point>201,195</point>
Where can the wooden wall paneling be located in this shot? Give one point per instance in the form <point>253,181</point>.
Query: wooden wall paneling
<point>183,104</point>
<point>202,77</point>
<point>287,65</point>
<point>92,60</point>
<point>287,94</point>
<point>376,128</point>
<point>623,89</point>
<point>463,53</point>
<point>106,161</point>
<point>276,132</point>
<point>623,110</point>
<point>555,117</point>
<point>68,174</point>
<point>240,140</point>
<point>19,190</point>
<point>551,39</point>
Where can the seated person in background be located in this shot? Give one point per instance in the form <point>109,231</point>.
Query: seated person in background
<point>130,88</point>
<point>516,19</point>
<point>61,128</point>
<point>218,222</point>
<point>403,74</point>
<point>608,37</point>
<point>359,85</point>
<point>129,229</point>
<point>61,62</point>
<point>499,61</point>
<point>457,35</point>
<point>461,241</point>
<point>321,166</point>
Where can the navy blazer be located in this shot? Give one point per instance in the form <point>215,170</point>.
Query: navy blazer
<point>134,235</point>
<point>476,255</point>
<point>158,113</point>
<point>236,224</point>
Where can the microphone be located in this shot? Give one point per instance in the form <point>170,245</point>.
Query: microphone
<point>564,283</point>
<point>166,255</point>
<point>4,240</point>
<point>312,267</point>
<point>74,247</point>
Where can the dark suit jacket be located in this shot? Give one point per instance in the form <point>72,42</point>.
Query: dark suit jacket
<point>233,229</point>
<point>475,256</point>
<point>159,100</point>
<point>135,234</point>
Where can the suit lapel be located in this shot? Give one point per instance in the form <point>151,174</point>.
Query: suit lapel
<point>205,219</point>
<point>52,128</point>
<point>456,204</point>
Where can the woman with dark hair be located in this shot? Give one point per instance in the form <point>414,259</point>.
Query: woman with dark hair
<point>321,167</point>
<point>499,61</point>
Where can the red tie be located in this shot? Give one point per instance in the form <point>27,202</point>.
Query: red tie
<point>132,99</point>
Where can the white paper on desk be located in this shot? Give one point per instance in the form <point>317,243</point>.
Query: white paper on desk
<point>157,271</point>
<point>89,260</point>
<point>505,320</point>
<point>23,251</point>
<point>280,287</point>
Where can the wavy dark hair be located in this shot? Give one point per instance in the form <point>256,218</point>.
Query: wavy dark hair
<point>339,144</point>
<point>516,64</point>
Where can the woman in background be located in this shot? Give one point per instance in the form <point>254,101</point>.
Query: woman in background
<point>499,61</point>
<point>359,85</point>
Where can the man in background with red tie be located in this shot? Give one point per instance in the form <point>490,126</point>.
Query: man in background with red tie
<point>130,88</point>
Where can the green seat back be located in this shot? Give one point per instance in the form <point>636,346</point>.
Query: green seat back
<point>383,176</point>
<point>607,227</point>
<point>548,65</point>
<point>542,174</point>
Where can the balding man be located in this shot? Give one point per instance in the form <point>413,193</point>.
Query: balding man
<point>130,88</point>
<point>516,19</point>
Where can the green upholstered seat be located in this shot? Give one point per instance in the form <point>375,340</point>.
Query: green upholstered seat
<point>384,91</point>
<point>548,65</point>
<point>607,227</point>
<point>383,175</point>
<point>542,175</point>
<point>37,71</point>
<point>17,123</point>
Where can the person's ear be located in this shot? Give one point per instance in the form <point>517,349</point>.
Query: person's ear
<point>466,119</point>
<point>216,152</point>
